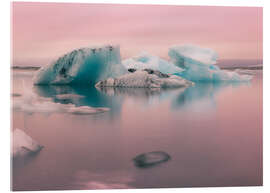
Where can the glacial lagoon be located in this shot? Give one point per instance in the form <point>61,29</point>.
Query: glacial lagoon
<point>213,133</point>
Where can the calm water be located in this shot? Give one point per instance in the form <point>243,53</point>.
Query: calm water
<point>213,133</point>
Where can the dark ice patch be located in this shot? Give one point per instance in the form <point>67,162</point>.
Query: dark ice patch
<point>131,70</point>
<point>150,159</point>
<point>156,72</point>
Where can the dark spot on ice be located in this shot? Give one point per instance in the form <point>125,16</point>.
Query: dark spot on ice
<point>93,50</point>
<point>62,71</point>
<point>156,72</point>
<point>131,70</point>
<point>151,159</point>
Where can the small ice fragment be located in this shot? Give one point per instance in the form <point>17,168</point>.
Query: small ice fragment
<point>85,110</point>
<point>245,71</point>
<point>151,159</point>
<point>23,144</point>
<point>68,96</point>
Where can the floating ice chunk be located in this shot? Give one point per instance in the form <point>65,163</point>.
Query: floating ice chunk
<point>46,106</point>
<point>145,60</point>
<point>144,79</point>
<point>24,144</point>
<point>151,159</point>
<point>68,96</point>
<point>245,71</point>
<point>83,66</point>
<point>199,65</point>
<point>85,110</point>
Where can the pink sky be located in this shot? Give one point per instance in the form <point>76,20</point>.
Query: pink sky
<point>45,31</point>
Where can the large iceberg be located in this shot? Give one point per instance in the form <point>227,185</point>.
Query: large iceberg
<point>199,65</point>
<point>83,66</point>
<point>146,78</point>
<point>145,60</point>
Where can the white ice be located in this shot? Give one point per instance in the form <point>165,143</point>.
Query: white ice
<point>199,65</point>
<point>23,144</point>
<point>68,96</point>
<point>142,79</point>
<point>83,66</point>
<point>31,104</point>
<point>145,60</point>
<point>85,110</point>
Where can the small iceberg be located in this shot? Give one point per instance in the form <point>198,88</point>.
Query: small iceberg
<point>150,159</point>
<point>199,65</point>
<point>82,66</point>
<point>146,78</point>
<point>23,144</point>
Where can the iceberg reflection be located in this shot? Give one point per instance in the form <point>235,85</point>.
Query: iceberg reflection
<point>79,96</point>
<point>202,96</point>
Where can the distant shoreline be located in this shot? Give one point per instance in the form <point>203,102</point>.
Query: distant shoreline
<point>242,67</point>
<point>25,67</point>
<point>258,67</point>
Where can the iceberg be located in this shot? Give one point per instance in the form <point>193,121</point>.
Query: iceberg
<point>23,144</point>
<point>82,66</point>
<point>145,60</point>
<point>199,65</point>
<point>146,78</point>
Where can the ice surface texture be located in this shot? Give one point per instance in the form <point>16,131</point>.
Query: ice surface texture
<point>145,79</point>
<point>24,144</point>
<point>83,66</point>
<point>199,65</point>
<point>145,60</point>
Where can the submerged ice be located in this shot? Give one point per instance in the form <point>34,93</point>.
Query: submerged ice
<point>199,65</point>
<point>83,66</point>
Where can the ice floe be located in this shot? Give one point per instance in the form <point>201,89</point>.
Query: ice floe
<point>33,104</point>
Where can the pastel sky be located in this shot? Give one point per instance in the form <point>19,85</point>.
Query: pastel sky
<point>44,31</point>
